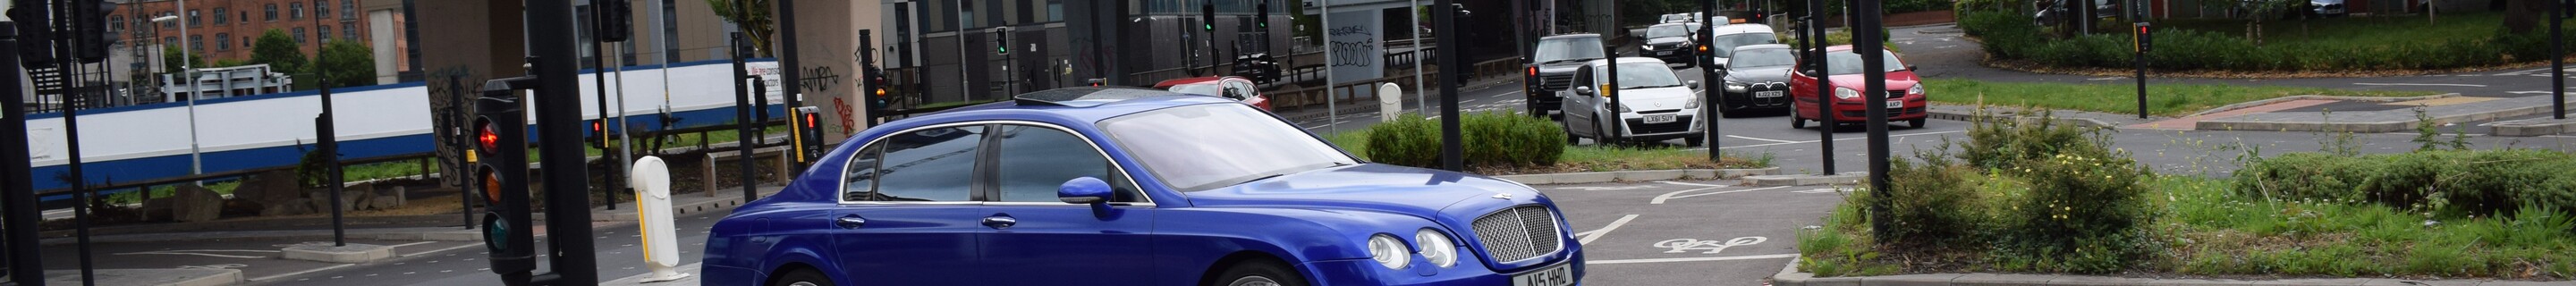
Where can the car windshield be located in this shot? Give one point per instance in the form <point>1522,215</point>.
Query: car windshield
<point>1209,89</point>
<point>1761,58</point>
<point>1847,62</point>
<point>1661,31</point>
<point>1644,75</point>
<point>1568,49</point>
<point>1724,45</point>
<point>1207,146</point>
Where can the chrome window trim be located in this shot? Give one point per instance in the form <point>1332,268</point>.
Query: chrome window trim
<point>842,187</point>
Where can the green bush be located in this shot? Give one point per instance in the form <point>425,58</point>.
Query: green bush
<point>1491,140</point>
<point>2010,145</point>
<point>2085,211</point>
<point>1905,6</point>
<point>1931,202</point>
<point>2451,182</point>
<point>2010,35</point>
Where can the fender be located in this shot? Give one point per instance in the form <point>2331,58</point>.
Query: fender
<point>1185,243</point>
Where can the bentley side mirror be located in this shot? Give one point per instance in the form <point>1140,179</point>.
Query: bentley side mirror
<point>1583,90</point>
<point>1083,191</point>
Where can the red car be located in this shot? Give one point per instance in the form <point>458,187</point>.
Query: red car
<point>1905,97</point>
<point>1229,87</point>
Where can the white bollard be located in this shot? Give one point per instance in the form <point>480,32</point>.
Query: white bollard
<point>652,182</point>
<point>1390,101</point>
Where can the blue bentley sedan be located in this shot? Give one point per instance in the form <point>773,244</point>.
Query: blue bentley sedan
<point>1116,186</point>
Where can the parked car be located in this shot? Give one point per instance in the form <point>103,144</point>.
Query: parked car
<point>1654,105</point>
<point>2052,12</point>
<point>1676,18</point>
<point>1757,80</point>
<point>1259,67</point>
<point>1125,186</point>
<point>1905,95</point>
<point>1671,43</point>
<point>1551,68</point>
<point>1722,46</point>
<point>2325,8</point>
<point>1229,87</point>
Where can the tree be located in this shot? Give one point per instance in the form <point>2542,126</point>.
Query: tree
<point>757,29</point>
<point>172,59</point>
<point>278,51</point>
<point>348,63</point>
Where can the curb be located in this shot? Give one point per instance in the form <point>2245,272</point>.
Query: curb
<point>1954,115</point>
<point>2243,105</point>
<point>2363,127</point>
<point>677,210</point>
<point>2531,127</point>
<point>151,277</point>
<point>1631,176</point>
<point>1846,178</point>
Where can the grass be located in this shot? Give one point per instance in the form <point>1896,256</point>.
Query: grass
<point>2352,31</point>
<point>2162,99</point>
<point>1595,158</point>
<point>2207,229</point>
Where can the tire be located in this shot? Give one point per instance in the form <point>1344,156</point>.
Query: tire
<point>1600,134</point>
<point>1918,123</point>
<point>1570,139</point>
<point>1794,121</point>
<point>1695,141</point>
<point>801,277</point>
<point>1258,273</point>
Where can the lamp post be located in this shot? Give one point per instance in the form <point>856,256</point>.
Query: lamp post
<point>196,159</point>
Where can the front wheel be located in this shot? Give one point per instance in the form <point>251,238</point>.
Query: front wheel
<point>1258,273</point>
<point>1794,121</point>
<point>1695,141</point>
<point>1918,123</point>
<point>801,277</point>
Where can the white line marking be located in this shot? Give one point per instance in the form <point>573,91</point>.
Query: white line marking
<point>1588,236</point>
<point>441,250</point>
<point>1720,258</point>
<point>1751,138</point>
<point>266,278</point>
<point>1666,196</point>
<point>2420,84</point>
<point>414,243</point>
<point>1689,184</point>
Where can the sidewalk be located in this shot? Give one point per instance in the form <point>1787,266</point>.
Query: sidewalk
<point>691,269</point>
<point>682,205</point>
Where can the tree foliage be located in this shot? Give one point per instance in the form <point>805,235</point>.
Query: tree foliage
<point>759,28</point>
<point>347,63</point>
<point>278,51</point>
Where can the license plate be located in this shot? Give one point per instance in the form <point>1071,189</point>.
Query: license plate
<point>1900,103</point>
<point>1766,94</point>
<point>1559,275</point>
<point>1660,118</point>
<point>1662,53</point>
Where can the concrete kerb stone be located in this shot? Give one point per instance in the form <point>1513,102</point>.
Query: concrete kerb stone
<point>351,253</point>
<point>1846,178</point>
<point>1633,176</point>
<point>1911,280</point>
<point>1989,279</point>
<point>1960,116</point>
<point>2363,127</point>
<point>150,277</point>
<point>2532,127</point>
<point>2243,105</point>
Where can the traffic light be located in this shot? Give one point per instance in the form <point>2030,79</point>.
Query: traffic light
<point>811,132</point>
<point>876,81</point>
<point>1261,16</point>
<point>616,20</point>
<point>1207,15</point>
<point>89,22</point>
<point>501,137</point>
<point>1001,41</point>
<point>2145,40</point>
<point>599,133</point>
<point>35,36</point>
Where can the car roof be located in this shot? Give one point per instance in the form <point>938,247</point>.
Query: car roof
<point>1625,60</point>
<point>1762,46</point>
<point>1084,104</point>
<point>1570,36</point>
<point>1742,28</point>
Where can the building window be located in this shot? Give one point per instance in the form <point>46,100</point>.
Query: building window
<point>196,43</point>
<point>171,40</point>
<point>321,9</point>
<point>299,36</point>
<point>295,10</point>
<point>223,41</point>
<point>272,12</point>
<point>348,10</point>
<point>194,20</point>
<point>219,16</point>
<point>349,30</point>
<point>323,32</point>
<point>116,23</point>
<point>171,24</point>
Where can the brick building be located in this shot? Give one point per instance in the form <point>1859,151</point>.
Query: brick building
<point>226,29</point>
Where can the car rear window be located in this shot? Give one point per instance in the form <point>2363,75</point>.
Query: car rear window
<point>1207,146</point>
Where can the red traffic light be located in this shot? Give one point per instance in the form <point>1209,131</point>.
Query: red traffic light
<point>1533,71</point>
<point>810,121</point>
<point>487,136</point>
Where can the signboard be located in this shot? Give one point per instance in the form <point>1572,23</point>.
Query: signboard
<point>1354,50</point>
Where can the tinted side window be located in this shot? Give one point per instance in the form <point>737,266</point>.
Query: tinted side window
<point>1037,160</point>
<point>927,165</point>
<point>859,181</point>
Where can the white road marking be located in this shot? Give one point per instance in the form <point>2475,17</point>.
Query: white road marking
<point>1681,245</point>
<point>1588,236</point>
<point>2557,136</point>
<point>1761,139</point>
<point>2420,84</point>
<point>2528,92</point>
<point>1819,191</point>
<point>1692,259</point>
<point>2109,78</point>
<point>1666,196</point>
<point>442,250</point>
<point>284,275</point>
<point>1689,184</point>
<point>1607,188</point>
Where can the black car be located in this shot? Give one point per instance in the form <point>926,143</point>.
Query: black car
<point>1552,65</point>
<point>1671,43</point>
<point>1757,80</point>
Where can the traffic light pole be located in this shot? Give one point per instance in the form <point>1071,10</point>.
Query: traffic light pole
<point>1715,89</point>
<point>1451,149</point>
<point>1815,39</point>
<point>1869,41</point>
<point>599,76</point>
<point>17,194</point>
<point>558,112</point>
<point>742,105</point>
<point>791,75</point>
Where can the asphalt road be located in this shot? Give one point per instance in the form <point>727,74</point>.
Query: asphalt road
<point>1688,232</point>
<point>618,255</point>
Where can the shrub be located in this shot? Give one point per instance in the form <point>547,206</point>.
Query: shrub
<point>1996,143</point>
<point>1931,202</point>
<point>2012,35</point>
<point>2085,212</point>
<point>1491,140</point>
<point>2452,182</point>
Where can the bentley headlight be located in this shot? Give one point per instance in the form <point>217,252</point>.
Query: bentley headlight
<point>1388,251</point>
<point>1846,93</point>
<point>1437,248</point>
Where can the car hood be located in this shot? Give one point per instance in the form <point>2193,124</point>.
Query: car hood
<point>1779,74</point>
<point>1376,187</point>
<point>1667,40</point>
<point>1662,98</point>
<point>1566,67</point>
<point>1892,77</point>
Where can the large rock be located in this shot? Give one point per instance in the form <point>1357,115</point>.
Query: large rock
<point>386,199</point>
<point>353,197</point>
<point>196,204</point>
<point>157,209</point>
<point>285,208</point>
<point>270,188</point>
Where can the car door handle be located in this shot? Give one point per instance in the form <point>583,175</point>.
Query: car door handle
<point>1000,222</point>
<point>851,221</point>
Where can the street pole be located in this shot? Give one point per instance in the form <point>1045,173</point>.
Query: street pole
<point>1421,100</point>
<point>2140,43</point>
<point>68,67</point>
<point>327,133</point>
<point>17,194</point>
<point>791,77</point>
<point>558,110</point>
<point>1815,41</point>
<point>1868,39</point>
<point>742,103</point>
<point>1446,19</point>
<point>1715,87</point>
<point>599,77</point>
<point>1612,91</point>
<point>1332,96</point>
<point>196,155</point>
<point>2557,60</point>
